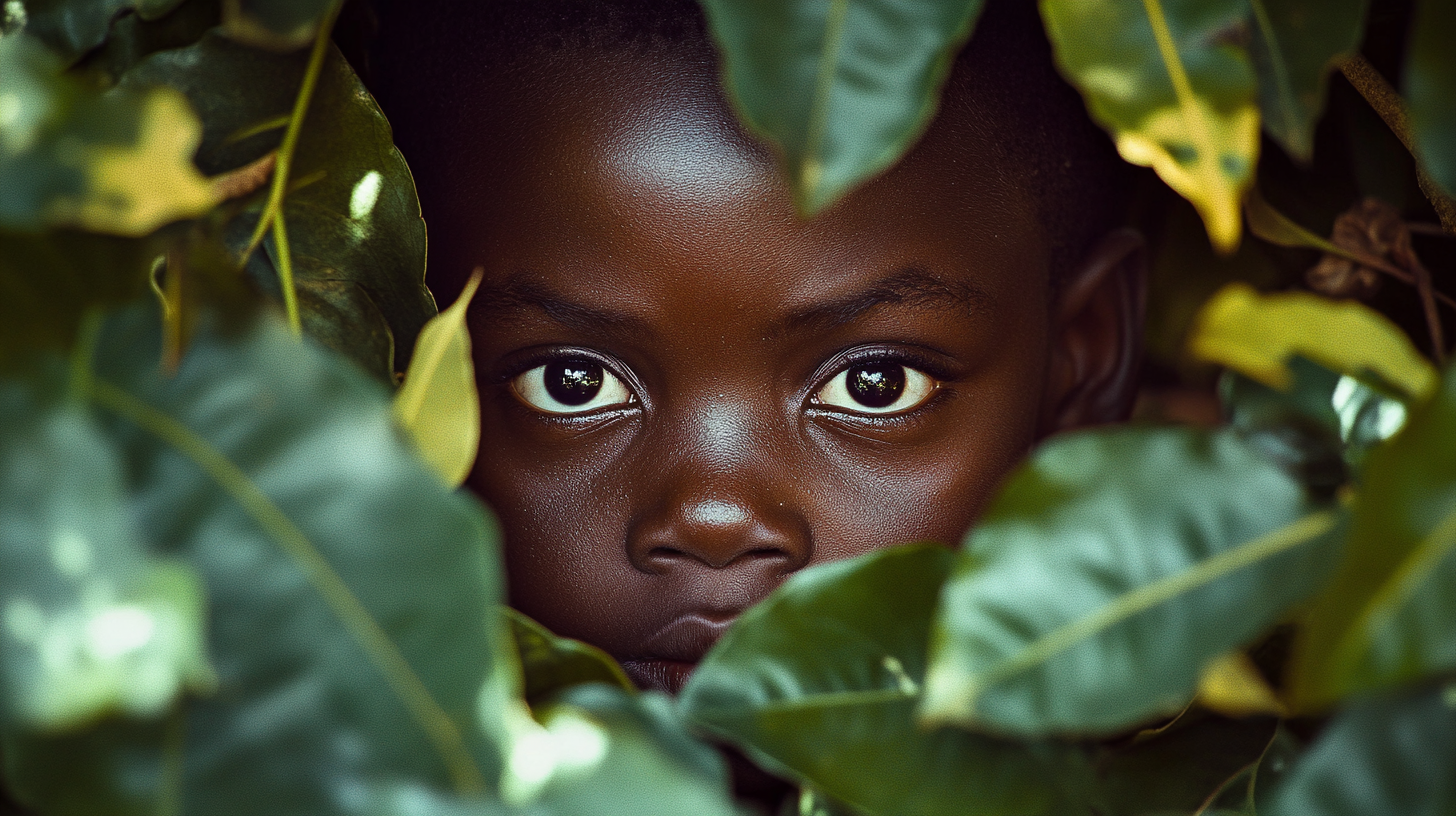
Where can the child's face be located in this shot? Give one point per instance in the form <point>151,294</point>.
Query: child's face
<point>688,393</point>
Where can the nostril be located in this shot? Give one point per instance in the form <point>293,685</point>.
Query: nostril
<point>669,555</point>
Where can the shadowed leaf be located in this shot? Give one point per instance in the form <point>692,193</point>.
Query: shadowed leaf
<point>281,25</point>
<point>842,87</point>
<point>1296,44</point>
<point>73,27</point>
<point>1162,77</point>
<point>1430,88</point>
<point>551,664</point>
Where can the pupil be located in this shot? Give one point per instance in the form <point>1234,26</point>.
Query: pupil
<point>573,382</point>
<point>876,385</point>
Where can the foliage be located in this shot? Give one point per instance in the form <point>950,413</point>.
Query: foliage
<point>235,577</point>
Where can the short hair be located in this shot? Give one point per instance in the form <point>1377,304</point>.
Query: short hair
<point>1040,125</point>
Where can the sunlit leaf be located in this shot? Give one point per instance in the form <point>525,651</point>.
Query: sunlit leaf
<point>351,594</point>
<point>90,623</point>
<point>1258,334</point>
<point>842,87</point>
<point>438,403</point>
<point>1110,570</point>
<point>1296,44</point>
<point>836,657</point>
<point>353,218</point>
<point>73,27</point>
<point>1388,754</point>
<point>551,664</point>
<point>118,162</point>
<point>278,24</point>
<point>1163,77</point>
<point>1232,685</point>
<point>1388,615</point>
<point>1430,89</point>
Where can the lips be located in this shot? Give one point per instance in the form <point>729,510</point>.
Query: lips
<point>668,658</point>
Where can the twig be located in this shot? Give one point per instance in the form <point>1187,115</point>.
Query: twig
<point>273,209</point>
<point>1386,102</point>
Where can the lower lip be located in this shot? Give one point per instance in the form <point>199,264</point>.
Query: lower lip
<point>659,675</point>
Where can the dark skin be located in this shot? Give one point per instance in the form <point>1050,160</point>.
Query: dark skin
<point>754,393</point>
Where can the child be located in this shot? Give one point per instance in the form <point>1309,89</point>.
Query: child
<point>687,392</point>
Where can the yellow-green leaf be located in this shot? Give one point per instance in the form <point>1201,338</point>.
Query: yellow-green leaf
<point>1176,95</point>
<point>1232,685</point>
<point>133,189</point>
<point>438,403</point>
<point>1257,335</point>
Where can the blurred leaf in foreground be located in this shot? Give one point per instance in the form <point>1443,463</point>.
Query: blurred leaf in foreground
<point>1296,44</point>
<point>1112,567</point>
<point>836,657</point>
<point>92,622</point>
<point>438,404</point>
<point>1430,88</point>
<point>551,664</point>
<point>1389,616</point>
<point>1389,754</point>
<point>117,162</point>
<point>1257,335</point>
<point>843,87</point>
<point>73,27</point>
<point>1176,95</point>
<point>352,596</point>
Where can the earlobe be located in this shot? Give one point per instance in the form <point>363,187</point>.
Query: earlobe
<point>1097,320</point>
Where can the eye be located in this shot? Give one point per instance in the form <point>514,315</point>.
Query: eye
<point>573,385</point>
<point>880,387</point>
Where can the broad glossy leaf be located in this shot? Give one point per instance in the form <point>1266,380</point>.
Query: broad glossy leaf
<point>353,217</point>
<point>842,87</point>
<point>73,27</point>
<point>352,596</point>
<point>1112,568</point>
<point>551,664</point>
<point>1388,615</point>
<point>118,162</point>
<point>1257,335</point>
<point>1164,79</point>
<point>1430,89</point>
<point>438,403</point>
<point>1296,43</point>
<point>277,24</point>
<point>1389,754</point>
<point>92,622</point>
<point>819,683</point>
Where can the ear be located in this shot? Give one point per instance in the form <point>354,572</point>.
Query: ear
<point>1097,323</point>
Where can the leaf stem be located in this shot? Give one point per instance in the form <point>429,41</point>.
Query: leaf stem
<point>351,612</point>
<point>274,205</point>
<point>1147,596</point>
<point>170,787</point>
<point>1386,102</point>
<point>285,273</point>
<point>812,170</point>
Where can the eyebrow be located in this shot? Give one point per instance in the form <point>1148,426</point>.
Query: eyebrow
<point>912,286</point>
<point>519,294</point>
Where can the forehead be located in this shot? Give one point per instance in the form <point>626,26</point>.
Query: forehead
<point>625,176</point>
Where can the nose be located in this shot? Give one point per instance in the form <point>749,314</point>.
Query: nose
<point>704,526</point>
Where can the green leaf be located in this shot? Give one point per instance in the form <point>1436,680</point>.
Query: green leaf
<point>73,27</point>
<point>1257,335</point>
<point>282,25</point>
<point>1296,43</point>
<point>354,223</point>
<point>602,750</point>
<point>1389,754</point>
<point>118,162</point>
<point>438,404</point>
<point>841,87</point>
<point>92,622</point>
<point>1430,89</point>
<point>1162,77</point>
<point>1388,615</point>
<point>819,683</point>
<point>1112,568</point>
<point>352,595</point>
<point>551,664</point>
